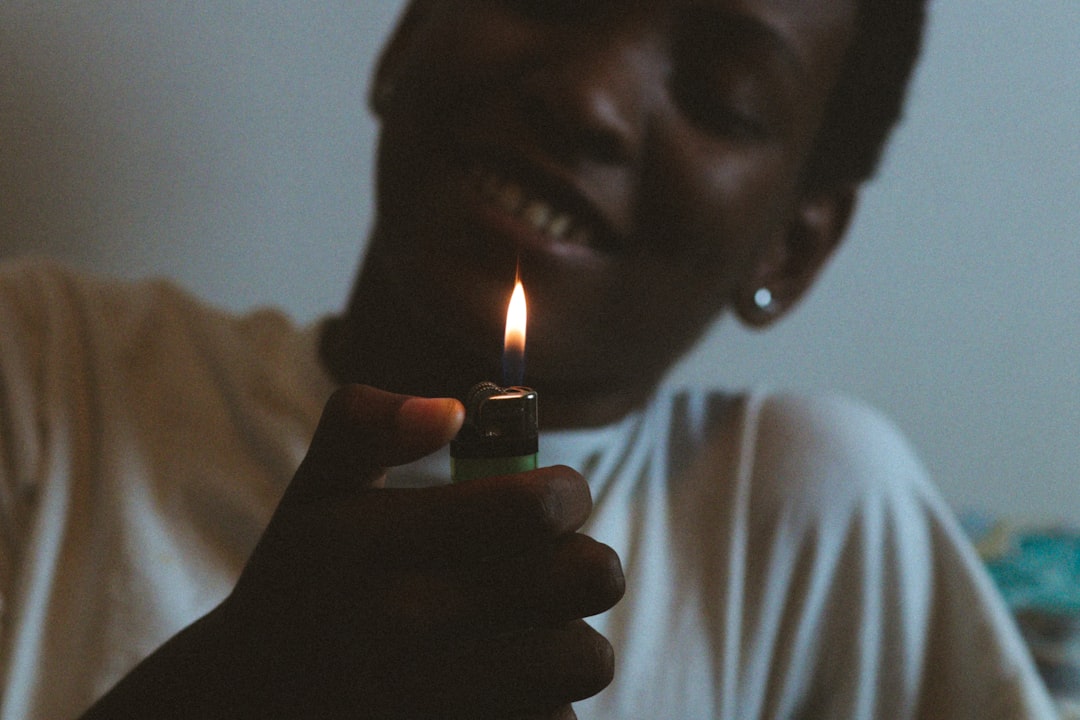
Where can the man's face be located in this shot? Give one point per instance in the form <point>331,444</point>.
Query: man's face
<point>637,160</point>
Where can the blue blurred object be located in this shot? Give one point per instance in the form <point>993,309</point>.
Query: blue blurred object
<point>1041,572</point>
<point>1038,572</point>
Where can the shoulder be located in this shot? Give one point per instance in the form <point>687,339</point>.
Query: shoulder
<point>829,460</point>
<point>54,292</point>
<point>789,437</point>
<point>43,297</point>
<point>147,339</point>
<point>26,286</point>
<point>787,431</point>
<point>829,433</point>
<point>838,482</point>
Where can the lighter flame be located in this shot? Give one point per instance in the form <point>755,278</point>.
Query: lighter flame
<point>516,319</point>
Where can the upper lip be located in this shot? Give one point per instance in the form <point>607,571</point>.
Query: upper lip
<point>545,187</point>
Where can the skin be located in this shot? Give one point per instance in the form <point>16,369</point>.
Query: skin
<point>453,602</point>
<point>677,131</point>
<point>683,151</point>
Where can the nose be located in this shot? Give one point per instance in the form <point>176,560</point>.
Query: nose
<point>590,91</point>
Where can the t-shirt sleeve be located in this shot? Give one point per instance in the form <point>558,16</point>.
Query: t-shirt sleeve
<point>890,607</point>
<point>24,335</point>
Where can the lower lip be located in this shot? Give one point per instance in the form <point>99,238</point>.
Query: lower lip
<point>506,231</point>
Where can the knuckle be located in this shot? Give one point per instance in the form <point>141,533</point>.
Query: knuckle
<point>558,501</point>
<point>608,581</point>
<point>591,575</point>
<point>594,663</point>
<point>602,655</point>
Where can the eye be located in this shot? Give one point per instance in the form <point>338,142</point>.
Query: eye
<point>718,106</point>
<point>732,74</point>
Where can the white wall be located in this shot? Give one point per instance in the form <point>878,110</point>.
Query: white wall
<point>956,304</point>
<point>227,144</point>
<point>223,143</point>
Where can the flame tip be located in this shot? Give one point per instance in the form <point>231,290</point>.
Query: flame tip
<point>516,321</point>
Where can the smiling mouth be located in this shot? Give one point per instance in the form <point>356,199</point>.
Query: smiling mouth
<point>549,218</point>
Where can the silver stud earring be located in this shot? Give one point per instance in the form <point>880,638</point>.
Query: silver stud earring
<point>763,299</point>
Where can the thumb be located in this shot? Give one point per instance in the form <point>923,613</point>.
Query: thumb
<point>363,431</point>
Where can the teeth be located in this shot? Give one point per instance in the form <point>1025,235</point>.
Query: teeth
<point>537,213</point>
<point>559,225</point>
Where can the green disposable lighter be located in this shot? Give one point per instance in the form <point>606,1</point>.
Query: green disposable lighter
<point>500,434</point>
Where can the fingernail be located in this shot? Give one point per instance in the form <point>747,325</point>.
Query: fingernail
<point>421,411</point>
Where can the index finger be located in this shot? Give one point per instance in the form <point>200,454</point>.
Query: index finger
<point>485,518</point>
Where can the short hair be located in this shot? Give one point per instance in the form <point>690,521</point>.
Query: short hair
<point>867,101</point>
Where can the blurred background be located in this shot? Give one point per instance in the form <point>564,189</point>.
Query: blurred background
<point>227,145</point>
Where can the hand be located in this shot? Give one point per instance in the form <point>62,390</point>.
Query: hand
<point>455,601</point>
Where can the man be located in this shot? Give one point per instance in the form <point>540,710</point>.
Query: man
<point>643,166</point>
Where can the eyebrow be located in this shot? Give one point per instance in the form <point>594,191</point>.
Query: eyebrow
<point>748,26</point>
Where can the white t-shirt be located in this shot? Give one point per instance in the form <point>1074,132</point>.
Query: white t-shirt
<point>785,558</point>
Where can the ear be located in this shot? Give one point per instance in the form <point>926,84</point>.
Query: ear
<point>393,53</point>
<point>791,263</point>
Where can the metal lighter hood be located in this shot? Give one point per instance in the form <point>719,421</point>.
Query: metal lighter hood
<point>499,422</point>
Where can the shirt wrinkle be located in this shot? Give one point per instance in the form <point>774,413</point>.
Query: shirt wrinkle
<point>785,556</point>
